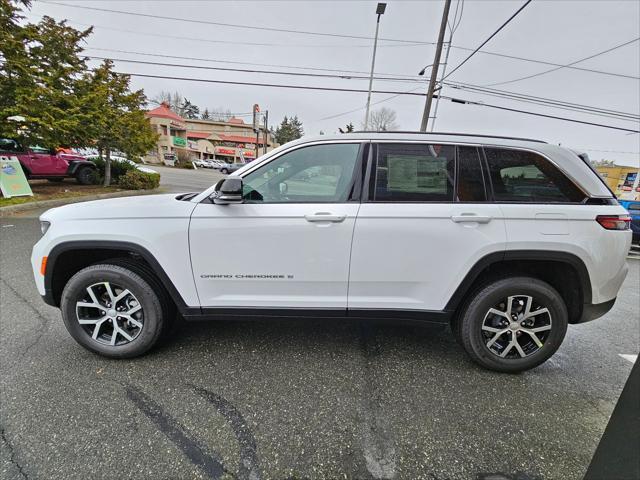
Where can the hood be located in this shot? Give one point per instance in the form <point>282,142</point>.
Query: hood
<point>142,206</point>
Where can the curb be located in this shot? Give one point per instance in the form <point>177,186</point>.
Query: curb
<point>57,202</point>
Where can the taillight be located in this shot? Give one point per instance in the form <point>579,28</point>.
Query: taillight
<point>614,222</point>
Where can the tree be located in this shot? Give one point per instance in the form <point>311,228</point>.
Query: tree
<point>220,114</point>
<point>382,120</point>
<point>288,130</point>
<point>189,110</point>
<point>41,68</point>
<point>118,118</point>
<point>603,163</point>
<point>174,100</point>
<point>205,115</point>
<point>347,129</point>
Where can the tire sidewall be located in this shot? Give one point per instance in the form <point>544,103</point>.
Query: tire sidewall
<point>84,175</point>
<point>153,317</point>
<point>471,328</point>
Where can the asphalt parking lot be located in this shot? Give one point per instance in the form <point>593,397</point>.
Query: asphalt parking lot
<point>320,399</point>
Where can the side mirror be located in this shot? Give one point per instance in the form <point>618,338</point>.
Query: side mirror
<point>227,191</point>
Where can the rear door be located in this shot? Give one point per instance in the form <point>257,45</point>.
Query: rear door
<point>424,224</point>
<point>288,245</point>
<point>42,162</point>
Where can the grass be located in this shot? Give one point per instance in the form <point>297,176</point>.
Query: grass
<point>45,190</point>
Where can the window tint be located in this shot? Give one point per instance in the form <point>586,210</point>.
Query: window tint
<point>470,182</point>
<point>413,173</point>
<point>519,176</point>
<point>320,173</point>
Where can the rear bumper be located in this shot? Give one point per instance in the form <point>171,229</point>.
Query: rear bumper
<point>591,311</point>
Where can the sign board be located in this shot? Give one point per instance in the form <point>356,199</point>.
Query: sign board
<point>13,183</point>
<point>225,151</point>
<point>179,141</point>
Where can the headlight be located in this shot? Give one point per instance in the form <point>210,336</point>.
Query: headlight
<point>44,226</point>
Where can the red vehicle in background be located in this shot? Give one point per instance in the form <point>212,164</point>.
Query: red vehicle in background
<point>52,165</point>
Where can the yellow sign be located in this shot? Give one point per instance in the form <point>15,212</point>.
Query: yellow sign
<point>13,183</point>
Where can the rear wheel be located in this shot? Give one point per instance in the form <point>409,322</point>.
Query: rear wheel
<point>114,311</point>
<point>224,170</point>
<point>513,324</point>
<point>84,175</point>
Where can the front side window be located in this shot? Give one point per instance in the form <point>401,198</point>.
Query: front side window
<point>406,172</point>
<point>526,177</point>
<point>314,174</point>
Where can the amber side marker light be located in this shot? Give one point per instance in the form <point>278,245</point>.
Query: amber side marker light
<point>43,266</point>
<point>614,222</point>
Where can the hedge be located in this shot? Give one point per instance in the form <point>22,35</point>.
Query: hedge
<point>137,180</point>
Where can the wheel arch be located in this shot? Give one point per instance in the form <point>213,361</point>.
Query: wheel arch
<point>75,165</point>
<point>564,271</point>
<point>67,258</point>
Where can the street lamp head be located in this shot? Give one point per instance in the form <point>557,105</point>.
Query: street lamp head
<point>381,8</point>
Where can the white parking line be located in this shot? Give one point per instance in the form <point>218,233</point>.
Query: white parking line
<point>631,358</point>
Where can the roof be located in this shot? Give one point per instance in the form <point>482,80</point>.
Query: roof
<point>193,134</point>
<point>450,133</point>
<point>239,138</point>
<point>236,120</point>
<point>163,111</point>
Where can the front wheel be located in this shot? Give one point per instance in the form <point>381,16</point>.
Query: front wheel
<point>224,170</point>
<point>113,311</point>
<point>513,324</point>
<point>84,175</point>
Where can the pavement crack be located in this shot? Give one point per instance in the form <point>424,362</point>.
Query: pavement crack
<point>377,443</point>
<point>44,321</point>
<point>12,453</point>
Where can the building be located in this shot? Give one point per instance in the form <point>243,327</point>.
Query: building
<point>232,141</point>
<point>622,180</point>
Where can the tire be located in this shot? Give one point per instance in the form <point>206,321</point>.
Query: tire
<point>84,175</point>
<point>224,170</point>
<point>488,308</point>
<point>152,316</point>
<point>56,179</point>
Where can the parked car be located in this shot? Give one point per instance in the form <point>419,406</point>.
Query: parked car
<point>117,158</point>
<point>633,207</point>
<point>48,164</point>
<point>203,163</point>
<point>224,167</point>
<point>389,225</point>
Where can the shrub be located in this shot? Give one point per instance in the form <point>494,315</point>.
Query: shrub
<point>118,169</point>
<point>137,180</point>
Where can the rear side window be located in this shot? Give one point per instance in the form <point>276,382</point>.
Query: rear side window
<point>526,177</point>
<point>406,172</point>
<point>470,186</point>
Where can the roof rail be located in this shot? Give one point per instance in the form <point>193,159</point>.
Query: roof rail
<point>453,133</point>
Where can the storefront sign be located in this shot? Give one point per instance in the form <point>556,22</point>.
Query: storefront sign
<point>13,183</point>
<point>225,151</point>
<point>249,153</point>
<point>179,141</point>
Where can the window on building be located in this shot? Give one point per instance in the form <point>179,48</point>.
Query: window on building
<point>470,186</point>
<point>519,176</point>
<point>164,130</point>
<point>407,172</point>
<point>315,174</point>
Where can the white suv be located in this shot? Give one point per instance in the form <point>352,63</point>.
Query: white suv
<point>509,240</point>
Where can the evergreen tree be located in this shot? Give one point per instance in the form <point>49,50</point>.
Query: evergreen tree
<point>288,130</point>
<point>205,115</point>
<point>189,110</point>
<point>347,129</point>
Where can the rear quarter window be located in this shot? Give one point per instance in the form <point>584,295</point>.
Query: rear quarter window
<point>526,177</point>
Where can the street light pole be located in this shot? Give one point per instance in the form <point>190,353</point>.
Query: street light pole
<point>379,11</point>
<point>434,70</point>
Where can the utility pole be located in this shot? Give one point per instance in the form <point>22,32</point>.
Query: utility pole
<point>434,70</point>
<point>266,131</point>
<point>379,11</point>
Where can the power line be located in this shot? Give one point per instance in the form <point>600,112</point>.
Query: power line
<point>490,37</point>
<point>526,112</point>
<point>546,101</point>
<point>359,90</point>
<point>564,66</point>
<point>200,59</point>
<point>269,72</point>
<point>406,42</point>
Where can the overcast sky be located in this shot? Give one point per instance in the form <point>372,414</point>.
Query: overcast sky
<point>553,31</point>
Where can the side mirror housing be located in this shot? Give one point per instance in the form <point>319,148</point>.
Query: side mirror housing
<point>228,191</point>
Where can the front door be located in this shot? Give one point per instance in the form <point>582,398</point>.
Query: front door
<point>288,245</point>
<point>425,223</point>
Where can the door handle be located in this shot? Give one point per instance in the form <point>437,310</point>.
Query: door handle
<point>324,217</point>
<point>471,217</point>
